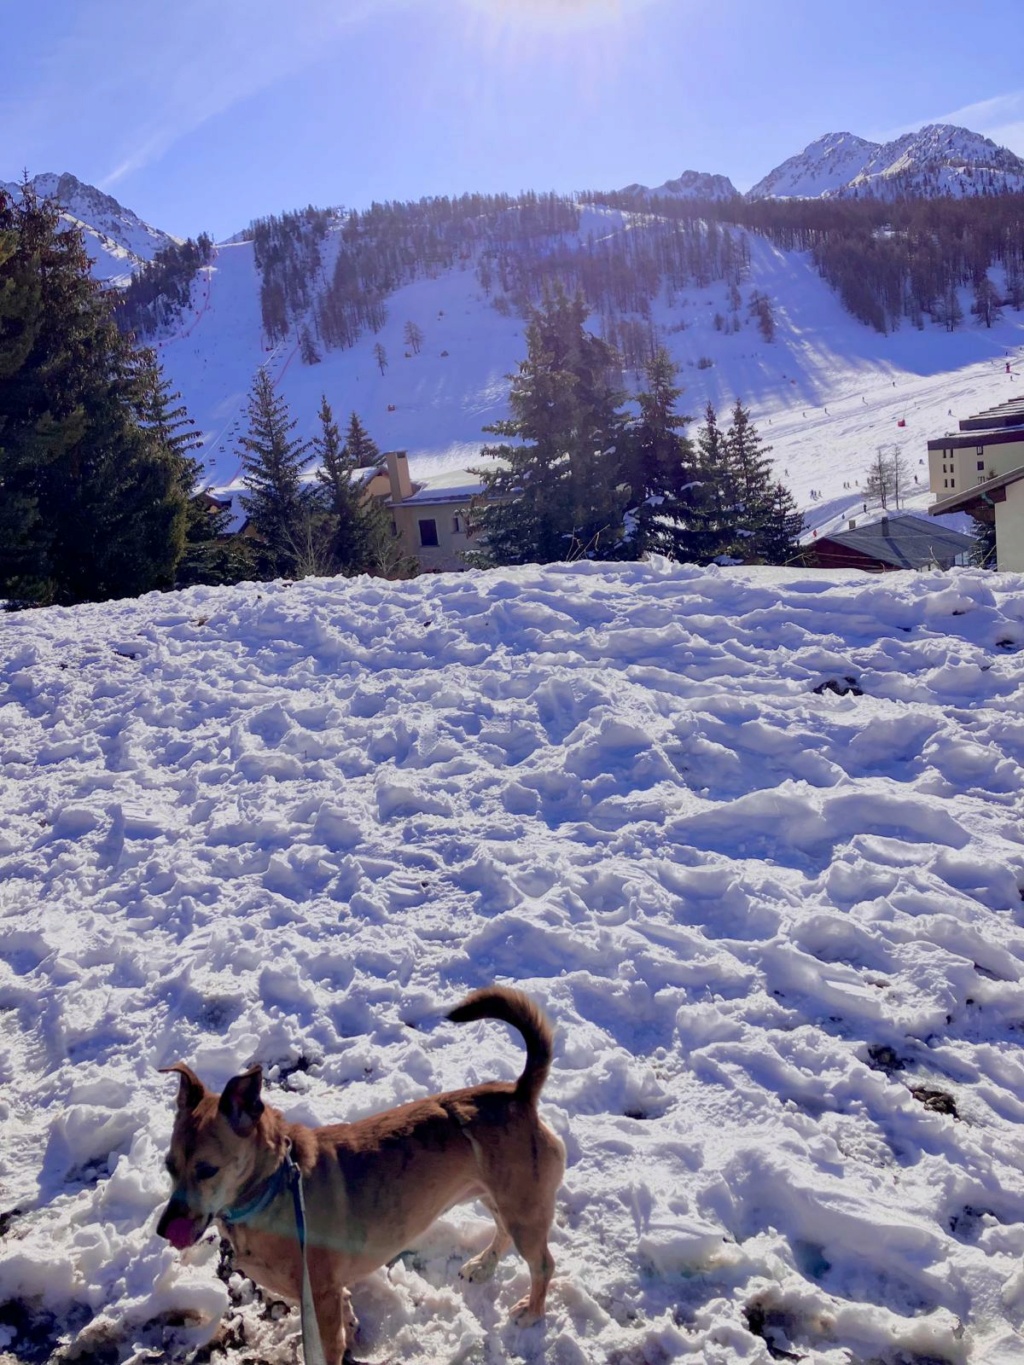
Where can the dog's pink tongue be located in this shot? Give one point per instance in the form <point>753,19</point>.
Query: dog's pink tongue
<point>180,1233</point>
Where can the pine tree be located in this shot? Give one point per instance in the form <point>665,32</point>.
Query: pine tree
<point>767,525</point>
<point>778,538</point>
<point>558,494</point>
<point>751,483</point>
<point>279,507</point>
<point>356,522</point>
<point>211,553</point>
<point>362,450</point>
<point>705,522</point>
<point>92,505</point>
<point>307,347</point>
<point>658,462</point>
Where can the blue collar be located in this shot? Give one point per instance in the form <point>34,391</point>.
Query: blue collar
<point>262,1199</point>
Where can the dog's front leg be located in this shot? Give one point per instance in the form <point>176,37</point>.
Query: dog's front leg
<point>333,1304</point>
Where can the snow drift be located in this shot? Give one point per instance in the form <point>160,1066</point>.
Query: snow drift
<point>751,837</point>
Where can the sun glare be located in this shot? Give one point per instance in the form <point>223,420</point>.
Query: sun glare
<point>556,15</point>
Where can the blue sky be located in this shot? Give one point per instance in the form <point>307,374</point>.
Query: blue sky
<point>207,113</point>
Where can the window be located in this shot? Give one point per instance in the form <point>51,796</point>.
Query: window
<point>981,451</point>
<point>456,524</point>
<point>945,483</point>
<point>981,464</point>
<point>428,531</point>
<point>394,527</point>
<point>952,483</point>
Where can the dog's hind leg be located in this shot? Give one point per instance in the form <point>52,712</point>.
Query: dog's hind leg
<point>531,1239</point>
<point>528,1210</point>
<point>528,1222</point>
<point>482,1267</point>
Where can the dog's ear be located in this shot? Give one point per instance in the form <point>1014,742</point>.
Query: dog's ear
<point>240,1103</point>
<point>190,1089</point>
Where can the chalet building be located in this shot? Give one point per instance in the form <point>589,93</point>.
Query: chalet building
<point>430,517</point>
<point>900,541</point>
<point>981,471</point>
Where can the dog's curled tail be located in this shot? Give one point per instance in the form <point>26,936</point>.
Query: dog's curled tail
<point>515,1008</point>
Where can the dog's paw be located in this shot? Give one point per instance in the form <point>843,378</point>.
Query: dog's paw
<point>479,1268</point>
<point>522,1315</point>
<point>349,1321</point>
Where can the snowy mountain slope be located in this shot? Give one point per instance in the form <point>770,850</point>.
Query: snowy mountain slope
<point>117,240</point>
<point>691,185</point>
<point>825,393</point>
<point>828,163</point>
<point>779,931</point>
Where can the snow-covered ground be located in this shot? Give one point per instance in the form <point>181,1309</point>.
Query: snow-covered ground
<point>826,393</point>
<point>752,837</point>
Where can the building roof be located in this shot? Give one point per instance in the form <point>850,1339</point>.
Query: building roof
<point>451,485</point>
<point>1008,414</point>
<point>976,438</point>
<point>903,541</point>
<point>992,490</point>
<point>993,426</point>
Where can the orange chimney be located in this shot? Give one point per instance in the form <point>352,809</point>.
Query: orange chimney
<point>398,475</point>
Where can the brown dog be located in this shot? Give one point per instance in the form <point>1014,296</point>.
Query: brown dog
<point>373,1186</point>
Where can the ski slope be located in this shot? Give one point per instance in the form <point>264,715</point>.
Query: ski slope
<point>826,393</point>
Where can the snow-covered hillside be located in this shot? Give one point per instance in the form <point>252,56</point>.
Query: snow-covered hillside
<point>118,241</point>
<point>752,837</point>
<point>825,393</point>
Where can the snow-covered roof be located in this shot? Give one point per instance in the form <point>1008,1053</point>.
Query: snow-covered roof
<point>1008,414</point>
<point>452,485</point>
<point>904,541</point>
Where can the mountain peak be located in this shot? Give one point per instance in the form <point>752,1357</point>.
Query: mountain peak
<point>691,185</point>
<point>117,240</point>
<point>939,159</point>
<point>827,163</point>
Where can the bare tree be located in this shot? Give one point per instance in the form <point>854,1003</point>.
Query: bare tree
<point>413,337</point>
<point>387,557</point>
<point>309,541</point>
<point>887,476</point>
<point>381,356</point>
<point>987,306</point>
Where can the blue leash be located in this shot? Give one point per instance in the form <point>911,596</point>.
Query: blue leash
<point>288,1171</point>
<point>312,1347</point>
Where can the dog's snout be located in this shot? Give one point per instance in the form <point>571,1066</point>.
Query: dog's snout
<point>175,1209</point>
<point>179,1226</point>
